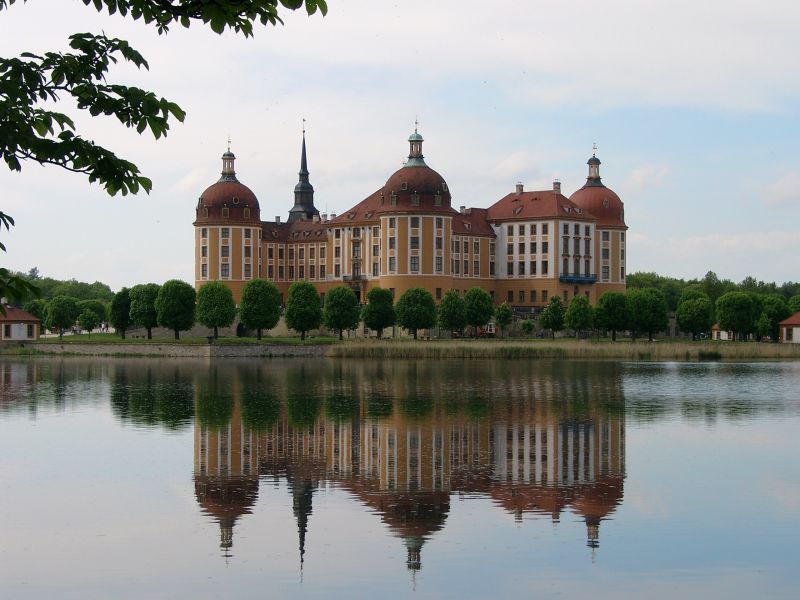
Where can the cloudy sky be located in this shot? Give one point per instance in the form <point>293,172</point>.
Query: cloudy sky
<point>693,106</point>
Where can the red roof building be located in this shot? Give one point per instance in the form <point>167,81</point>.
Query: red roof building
<point>790,329</point>
<point>18,325</point>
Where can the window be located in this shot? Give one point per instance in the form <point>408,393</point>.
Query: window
<point>204,251</point>
<point>585,267</point>
<point>356,269</point>
<point>566,296</point>
<point>510,269</point>
<point>247,272</point>
<point>30,330</point>
<point>246,213</point>
<point>291,253</point>
<point>491,268</point>
<point>576,230</point>
<point>521,267</point>
<point>510,231</point>
<point>545,227</point>
<point>521,230</point>
<point>491,248</point>
<point>280,253</point>
<point>565,266</point>
<point>337,252</point>
<point>226,233</point>
<point>415,264</point>
<point>466,267</point>
<point>337,270</point>
<point>393,199</point>
<point>376,232</point>
<point>414,222</point>
<point>522,296</point>
<point>604,253</point>
<point>246,233</point>
<point>291,271</point>
<point>566,228</point>
<point>544,295</point>
<point>375,249</point>
<point>414,199</point>
<point>205,213</point>
<point>586,247</point>
<point>247,251</point>
<point>204,233</point>
<point>356,232</point>
<point>522,247</point>
<point>457,247</point>
<point>622,272</point>
<point>302,253</point>
<point>438,264</point>
<point>456,267</point>
<point>476,267</point>
<point>622,254</point>
<point>545,267</point>
<point>311,252</point>
<point>622,236</point>
<point>269,253</point>
<point>322,252</point>
<point>375,269</point>
<point>337,234</point>
<point>391,222</point>
<point>225,270</point>
<point>280,272</point>
<point>576,246</point>
<point>415,242</point>
<point>586,230</point>
<point>438,222</point>
<point>476,247</point>
<point>225,212</point>
<point>577,266</point>
<point>392,243</point>
<point>533,229</point>
<point>356,249</point>
<point>509,296</point>
<point>204,270</point>
<point>322,271</point>
<point>533,296</point>
<point>510,249</point>
<point>532,265</point>
<point>225,251</point>
<point>438,293</point>
<point>301,271</point>
<point>270,272</point>
<point>604,272</point>
<point>439,243</point>
<point>545,247</point>
<point>605,236</point>
<point>392,264</point>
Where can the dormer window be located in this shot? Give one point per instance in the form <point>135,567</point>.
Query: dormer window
<point>205,213</point>
<point>404,186</point>
<point>225,212</point>
<point>444,186</point>
<point>437,200</point>
<point>394,199</point>
<point>246,213</point>
<point>415,199</point>
<point>517,210</point>
<point>274,233</point>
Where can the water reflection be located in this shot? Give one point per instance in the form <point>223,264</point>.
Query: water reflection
<point>401,438</point>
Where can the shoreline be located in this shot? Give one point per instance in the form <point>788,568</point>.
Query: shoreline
<point>436,349</point>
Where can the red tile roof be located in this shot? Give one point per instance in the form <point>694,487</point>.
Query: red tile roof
<point>547,204</point>
<point>17,315</point>
<point>472,222</point>
<point>793,320</point>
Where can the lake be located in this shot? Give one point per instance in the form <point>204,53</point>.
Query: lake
<point>154,478</point>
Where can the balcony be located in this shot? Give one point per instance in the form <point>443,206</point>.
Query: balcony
<point>567,278</point>
<point>354,278</point>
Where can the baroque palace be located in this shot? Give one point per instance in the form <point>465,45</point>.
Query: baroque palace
<point>525,248</point>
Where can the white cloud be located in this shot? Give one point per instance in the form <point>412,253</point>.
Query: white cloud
<point>645,177</point>
<point>784,192</point>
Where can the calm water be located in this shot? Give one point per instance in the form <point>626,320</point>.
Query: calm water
<point>163,479</point>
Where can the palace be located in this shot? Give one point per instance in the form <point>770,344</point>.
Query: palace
<point>525,248</point>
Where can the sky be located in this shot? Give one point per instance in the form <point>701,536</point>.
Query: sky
<point>693,107</point>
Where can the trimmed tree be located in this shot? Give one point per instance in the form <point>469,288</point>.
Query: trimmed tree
<point>503,316</point>
<point>479,307</point>
<point>62,312</point>
<point>175,306</point>
<point>694,313</point>
<point>451,315</point>
<point>215,306</point>
<point>416,310</point>
<point>580,315</point>
<point>735,313</point>
<point>648,312</point>
<point>774,309</point>
<point>119,315</point>
<point>527,327</point>
<point>794,303</point>
<point>96,306</point>
<point>88,320</point>
<point>552,317</point>
<point>260,306</point>
<point>611,313</point>
<point>379,311</point>
<point>303,311</point>
<point>143,306</point>
<point>341,310</point>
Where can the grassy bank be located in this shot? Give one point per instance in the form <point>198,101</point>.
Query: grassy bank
<point>572,349</point>
<point>110,338</point>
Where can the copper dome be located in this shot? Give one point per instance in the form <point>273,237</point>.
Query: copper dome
<point>602,203</point>
<point>228,200</point>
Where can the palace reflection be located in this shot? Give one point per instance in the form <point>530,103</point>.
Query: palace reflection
<point>402,437</point>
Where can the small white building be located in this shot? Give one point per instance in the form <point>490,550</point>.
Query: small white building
<point>719,334</point>
<point>18,325</point>
<point>790,329</point>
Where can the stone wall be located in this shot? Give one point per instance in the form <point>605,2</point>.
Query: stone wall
<point>179,350</point>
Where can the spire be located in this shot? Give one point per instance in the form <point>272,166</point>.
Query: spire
<point>302,494</point>
<point>415,156</point>
<point>303,192</point>
<point>228,160</point>
<point>593,180</point>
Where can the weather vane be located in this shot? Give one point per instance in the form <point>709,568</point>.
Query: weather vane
<point>416,123</point>
<point>594,149</point>
<point>229,142</point>
<point>304,125</point>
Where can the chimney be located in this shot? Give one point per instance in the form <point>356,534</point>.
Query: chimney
<point>277,220</point>
<point>556,186</point>
<point>315,219</point>
<point>519,187</point>
<point>324,217</point>
<point>462,209</point>
<point>333,216</point>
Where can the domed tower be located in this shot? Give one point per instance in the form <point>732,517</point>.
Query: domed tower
<point>609,244</point>
<point>227,231</point>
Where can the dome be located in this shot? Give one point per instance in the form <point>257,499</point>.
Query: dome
<point>602,203</point>
<point>228,200</point>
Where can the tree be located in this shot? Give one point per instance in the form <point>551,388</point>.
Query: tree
<point>552,317</point>
<point>62,312</point>
<point>88,320</point>
<point>611,313</point>
<point>774,309</point>
<point>694,314</point>
<point>526,326</point>
<point>416,310</point>
<point>143,306</point>
<point>215,306</point>
<point>648,312</point>
<point>175,306</point>
<point>341,309</point>
<point>97,307</point>
<point>37,308</point>
<point>579,315</point>
<point>452,312</point>
<point>303,311</point>
<point>260,306</point>
<point>479,308</point>
<point>735,312</point>
<point>503,316</point>
<point>379,311</point>
<point>794,303</point>
<point>120,311</point>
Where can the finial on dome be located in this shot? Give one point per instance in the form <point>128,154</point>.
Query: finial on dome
<point>416,124</point>
<point>594,149</point>
<point>229,143</point>
<point>304,127</point>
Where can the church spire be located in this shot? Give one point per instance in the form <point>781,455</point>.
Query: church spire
<point>303,192</point>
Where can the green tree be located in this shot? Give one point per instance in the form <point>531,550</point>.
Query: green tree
<point>648,311</point>
<point>611,313</point>
<point>119,315</point>
<point>143,306</point>
<point>37,308</point>
<point>88,320</point>
<point>62,312</point>
<point>552,316</point>
<point>416,310</point>
<point>479,308</point>
<point>527,327</point>
<point>579,315</point>
<point>303,311</point>
<point>451,315</point>
<point>379,311</point>
<point>341,310</point>
<point>735,313</point>
<point>215,306</point>
<point>503,316</point>
<point>794,303</point>
<point>774,309</point>
<point>97,307</point>
<point>694,314</point>
<point>260,306</point>
<point>175,306</point>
